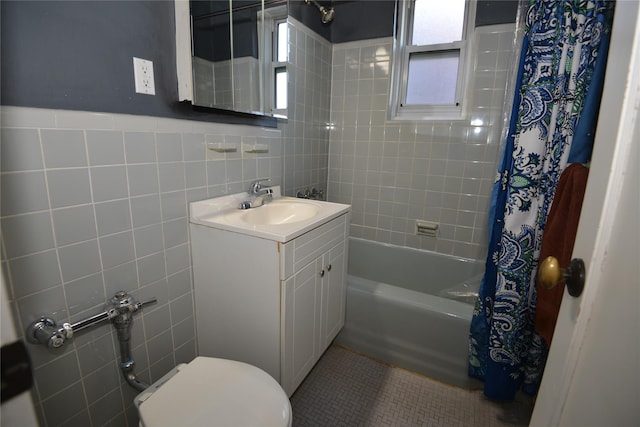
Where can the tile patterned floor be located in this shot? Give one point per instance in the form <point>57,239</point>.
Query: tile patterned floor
<point>349,389</point>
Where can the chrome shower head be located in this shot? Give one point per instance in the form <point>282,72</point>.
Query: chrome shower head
<point>327,14</point>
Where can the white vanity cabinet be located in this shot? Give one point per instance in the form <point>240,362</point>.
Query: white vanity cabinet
<point>276,305</point>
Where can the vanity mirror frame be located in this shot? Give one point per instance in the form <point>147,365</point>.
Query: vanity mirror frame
<point>185,66</point>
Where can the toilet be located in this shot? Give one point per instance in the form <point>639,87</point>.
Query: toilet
<point>214,392</point>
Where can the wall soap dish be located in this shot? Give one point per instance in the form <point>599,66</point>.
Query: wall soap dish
<point>426,228</point>
<point>256,148</point>
<point>222,147</point>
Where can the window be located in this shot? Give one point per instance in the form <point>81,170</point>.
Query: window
<point>276,48</point>
<point>428,77</point>
<point>279,67</point>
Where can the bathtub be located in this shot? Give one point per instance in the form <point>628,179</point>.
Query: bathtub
<point>411,308</point>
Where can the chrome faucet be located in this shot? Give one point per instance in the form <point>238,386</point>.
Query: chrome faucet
<point>313,194</point>
<point>259,194</point>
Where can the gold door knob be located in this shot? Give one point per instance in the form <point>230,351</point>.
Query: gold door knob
<point>550,274</point>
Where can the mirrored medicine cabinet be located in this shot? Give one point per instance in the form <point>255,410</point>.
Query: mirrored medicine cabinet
<point>232,55</point>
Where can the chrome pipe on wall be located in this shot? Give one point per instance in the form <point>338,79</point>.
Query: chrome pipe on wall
<point>120,310</point>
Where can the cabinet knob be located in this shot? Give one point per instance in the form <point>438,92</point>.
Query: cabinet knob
<point>322,273</point>
<point>329,267</point>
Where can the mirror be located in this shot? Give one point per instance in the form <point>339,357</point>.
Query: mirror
<point>235,62</point>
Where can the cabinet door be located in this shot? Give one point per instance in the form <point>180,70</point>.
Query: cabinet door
<point>333,294</point>
<point>301,295</point>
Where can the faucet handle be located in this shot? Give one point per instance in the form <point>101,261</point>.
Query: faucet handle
<point>138,305</point>
<point>256,185</point>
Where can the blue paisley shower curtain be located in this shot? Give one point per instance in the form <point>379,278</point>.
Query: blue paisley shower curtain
<point>553,120</point>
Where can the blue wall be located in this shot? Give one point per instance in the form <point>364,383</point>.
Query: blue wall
<point>77,55</point>
<point>368,19</point>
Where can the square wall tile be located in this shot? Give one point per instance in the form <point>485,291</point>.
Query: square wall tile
<point>69,187</point>
<point>174,205</point>
<point>183,332</point>
<point>148,240</point>
<point>182,307</point>
<point>23,192</point>
<point>63,148</point>
<point>101,381</point>
<point>79,260</point>
<point>123,277</point>
<point>171,176</point>
<point>140,147</point>
<point>85,293</point>
<point>193,147</point>
<point>62,406</point>
<point>145,210</point>
<point>109,182</point>
<point>117,249</point>
<point>195,174</point>
<point>113,217</point>
<point>176,232</point>
<point>73,225</point>
<point>143,179</point>
<point>27,234</point>
<point>104,409</point>
<point>34,273</point>
<point>169,147</point>
<point>20,150</point>
<point>105,147</point>
<point>151,268</point>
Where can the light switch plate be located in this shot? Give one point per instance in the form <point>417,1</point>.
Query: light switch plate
<point>143,75</point>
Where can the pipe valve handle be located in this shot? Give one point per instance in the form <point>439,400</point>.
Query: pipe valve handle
<point>139,305</point>
<point>46,331</point>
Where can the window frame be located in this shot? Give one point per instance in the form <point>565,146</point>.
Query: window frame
<point>268,43</point>
<point>402,49</point>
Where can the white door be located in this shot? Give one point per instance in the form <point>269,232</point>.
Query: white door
<point>593,369</point>
<point>18,411</point>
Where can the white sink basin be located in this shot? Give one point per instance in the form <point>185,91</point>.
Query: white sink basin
<point>282,219</point>
<point>280,211</point>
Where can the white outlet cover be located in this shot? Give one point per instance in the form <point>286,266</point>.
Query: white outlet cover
<point>143,75</point>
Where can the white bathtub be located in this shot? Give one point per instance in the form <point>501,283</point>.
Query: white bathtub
<point>411,308</point>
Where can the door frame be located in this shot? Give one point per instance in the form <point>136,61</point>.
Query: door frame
<point>614,136</point>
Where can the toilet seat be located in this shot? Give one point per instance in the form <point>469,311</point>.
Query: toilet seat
<point>214,392</point>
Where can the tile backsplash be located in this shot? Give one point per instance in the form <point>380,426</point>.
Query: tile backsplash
<point>95,203</point>
<point>396,172</point>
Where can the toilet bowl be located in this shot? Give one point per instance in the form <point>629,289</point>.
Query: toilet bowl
<point>214,392</point>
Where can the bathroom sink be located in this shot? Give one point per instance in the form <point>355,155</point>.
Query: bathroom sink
<point>280,211</point>
<point>283,219</point>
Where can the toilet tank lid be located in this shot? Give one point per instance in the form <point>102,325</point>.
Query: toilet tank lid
<point>209,389</point>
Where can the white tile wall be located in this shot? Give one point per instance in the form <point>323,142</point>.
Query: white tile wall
<point>95,203</point>
<point>394,173</point>
<point>305,132</point>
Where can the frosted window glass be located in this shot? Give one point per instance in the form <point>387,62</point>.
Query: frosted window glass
<point>282,42</point>
<point>432,78</point>
<point>437,21</point>
<point>281,88</point>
